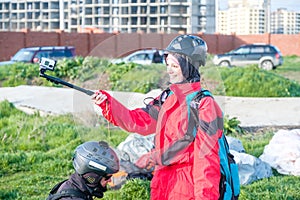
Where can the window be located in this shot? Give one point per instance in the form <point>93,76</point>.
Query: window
<point>14,6</point>
<point>142,56</point>
<point>21,6</point>
<point>153,10</point>
<point>45,5</point>
<point>143,20</point>
<point>243,50</point>
<point>257,50</point>
<point>134,9</point>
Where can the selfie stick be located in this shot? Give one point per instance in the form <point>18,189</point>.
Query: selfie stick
<point>48,64</point>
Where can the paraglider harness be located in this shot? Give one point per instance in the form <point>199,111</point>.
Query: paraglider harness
<point>54,195</point>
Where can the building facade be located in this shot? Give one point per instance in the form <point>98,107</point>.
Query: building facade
<point>149,16</point>
<point>244,17</point>
<point>285,22</point>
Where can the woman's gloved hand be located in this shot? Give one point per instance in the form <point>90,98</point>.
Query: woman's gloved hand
<point>99,97</point>
<point>146,161</point>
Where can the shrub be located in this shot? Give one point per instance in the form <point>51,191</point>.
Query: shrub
<point>135,189</point>
<point>232,126</point>
<point>254,82</point>
<point>140,79</point>
<point>69,68</point>
<point>18,74</point>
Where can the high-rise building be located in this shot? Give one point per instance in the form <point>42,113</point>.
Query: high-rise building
<point>149,16</point>
<point>285,22</point>
<point>244,17</point>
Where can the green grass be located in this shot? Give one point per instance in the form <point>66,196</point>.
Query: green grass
<point>96,73</point>
<point>278,187</point>
<point>290,68</point>
<point>250,81</point>
<point>36,152</point>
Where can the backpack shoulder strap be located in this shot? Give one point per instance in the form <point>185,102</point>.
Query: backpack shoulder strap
<point>201,94</point>
<point>193,111</point>
<point>53,195</point>
<point>194,105</point>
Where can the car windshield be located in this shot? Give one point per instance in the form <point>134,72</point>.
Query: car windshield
<point>23,56</point>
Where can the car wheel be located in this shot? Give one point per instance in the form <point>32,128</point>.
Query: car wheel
<point>224,64</point>
<point>266,65</point>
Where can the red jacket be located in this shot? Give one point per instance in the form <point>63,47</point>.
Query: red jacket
<point>188,167</point>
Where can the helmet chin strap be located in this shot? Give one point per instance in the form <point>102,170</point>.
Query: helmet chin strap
<point>96,190</point>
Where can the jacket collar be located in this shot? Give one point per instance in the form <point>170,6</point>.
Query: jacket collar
<point>185,88</point>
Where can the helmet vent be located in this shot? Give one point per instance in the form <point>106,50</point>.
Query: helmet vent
<point>177,46</point>
<point>89,155</point>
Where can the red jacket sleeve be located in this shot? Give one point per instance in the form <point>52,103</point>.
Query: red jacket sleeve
<point>206,171</point>
<point>136,120</point>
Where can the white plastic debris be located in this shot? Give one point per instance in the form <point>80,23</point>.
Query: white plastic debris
<point>283,152</point>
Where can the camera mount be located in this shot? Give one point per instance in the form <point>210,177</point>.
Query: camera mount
<point>49,64</point>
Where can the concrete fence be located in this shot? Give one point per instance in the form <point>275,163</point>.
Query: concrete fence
<point>111,45</point>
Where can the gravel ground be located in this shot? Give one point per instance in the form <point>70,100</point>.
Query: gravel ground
<point>251,112</point>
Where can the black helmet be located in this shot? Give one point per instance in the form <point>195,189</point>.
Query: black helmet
<point>191,46</point>
<point>95,157</point>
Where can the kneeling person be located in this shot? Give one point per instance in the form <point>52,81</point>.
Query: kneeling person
<point>94,164</point>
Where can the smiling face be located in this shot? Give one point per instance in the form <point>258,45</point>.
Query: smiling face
<point>174,69</point>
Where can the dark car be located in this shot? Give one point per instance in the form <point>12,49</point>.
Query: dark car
<point>266,56</point>
<point>34,54</point>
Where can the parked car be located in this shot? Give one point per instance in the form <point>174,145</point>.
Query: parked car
<point>144,57</point>
<point>34,54</point>
<point>266,56</point>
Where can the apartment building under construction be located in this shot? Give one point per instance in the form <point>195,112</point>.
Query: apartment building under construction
<point>148,16</point>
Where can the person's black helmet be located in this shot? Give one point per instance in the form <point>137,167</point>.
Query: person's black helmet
<point>191,46</point>
<point>95,157</point>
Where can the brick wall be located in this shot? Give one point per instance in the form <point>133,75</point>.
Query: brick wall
<point>116,45</point>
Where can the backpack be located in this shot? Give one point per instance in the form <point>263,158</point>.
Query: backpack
<point>66,193</point>
<point>229,187</point>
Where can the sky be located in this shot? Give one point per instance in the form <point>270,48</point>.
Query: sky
<point>291,5</point>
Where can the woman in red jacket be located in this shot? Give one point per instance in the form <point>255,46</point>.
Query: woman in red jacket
<point>186,160</point>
